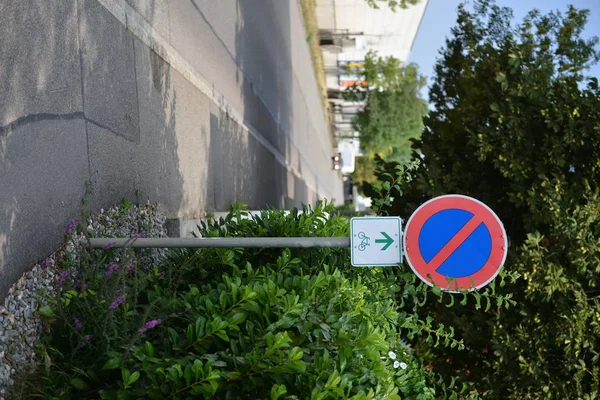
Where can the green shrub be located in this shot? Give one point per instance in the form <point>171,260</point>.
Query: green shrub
<point>515,124</point>
<point>233,323</point>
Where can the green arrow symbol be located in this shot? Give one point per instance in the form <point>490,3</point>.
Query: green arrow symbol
<point>388,241</point>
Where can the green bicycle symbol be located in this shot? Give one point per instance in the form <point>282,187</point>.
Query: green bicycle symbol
<point>365,241</point>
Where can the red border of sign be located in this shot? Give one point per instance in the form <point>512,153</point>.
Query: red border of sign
<point>455,201</point>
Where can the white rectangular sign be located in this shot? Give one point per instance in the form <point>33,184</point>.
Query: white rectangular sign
<point>376,241</point>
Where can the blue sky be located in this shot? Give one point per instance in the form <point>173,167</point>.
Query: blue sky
<point>440,16</point>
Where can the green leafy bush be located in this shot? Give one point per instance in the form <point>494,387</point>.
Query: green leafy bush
<point>233,323</point>
<point>228,323</point>
<point>515,124</point>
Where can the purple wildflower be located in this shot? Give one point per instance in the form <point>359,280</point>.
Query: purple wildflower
<point>132,265</point>
<point>82,285</point>
<point>108,245</point>
<point>110,268</point>
<point>117,292</point>
<point>45,263</point>
<point>63,276</point>
<point>150,324</point>
<point>87,338</point>
<point>70,225</point>
<point>77,324</point>
<point>139,235</point>
<point>118,301</point>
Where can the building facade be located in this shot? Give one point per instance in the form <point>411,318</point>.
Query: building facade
<point>349,29</point>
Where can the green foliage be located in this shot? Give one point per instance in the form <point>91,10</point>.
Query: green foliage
<point>364,170</point>
<point>233,323</point>
<point>393,4</point>
<point>394,109</point>
<point>515,124</point>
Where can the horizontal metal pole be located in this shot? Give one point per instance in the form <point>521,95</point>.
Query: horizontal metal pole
<point>262,242</point>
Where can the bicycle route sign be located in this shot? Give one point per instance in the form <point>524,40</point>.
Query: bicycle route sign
<point>455,242</point>
<point>376,241</point>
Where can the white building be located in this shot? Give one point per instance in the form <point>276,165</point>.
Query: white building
<point>351,28</point>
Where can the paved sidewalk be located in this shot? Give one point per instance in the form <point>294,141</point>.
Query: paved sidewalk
<point>195,104</point>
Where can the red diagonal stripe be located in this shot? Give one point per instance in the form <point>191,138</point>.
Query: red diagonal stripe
<point>454,243</point>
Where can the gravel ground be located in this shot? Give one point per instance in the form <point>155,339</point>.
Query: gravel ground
<point>20,326</point>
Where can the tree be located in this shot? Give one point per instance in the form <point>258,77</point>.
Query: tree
<point>364,170</point>
<point>393,4</point>
<point>394,108</point>
<point>516,124</point>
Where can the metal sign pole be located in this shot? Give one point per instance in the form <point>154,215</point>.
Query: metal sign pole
<point>262,242</point>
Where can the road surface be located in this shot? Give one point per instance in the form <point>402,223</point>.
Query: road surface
<point>194,104</point>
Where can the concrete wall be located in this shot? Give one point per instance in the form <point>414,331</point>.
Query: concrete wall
<point>326,14</point>
<point>195,104</point>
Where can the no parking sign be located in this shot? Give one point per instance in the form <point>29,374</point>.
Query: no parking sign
<point>455,237</point>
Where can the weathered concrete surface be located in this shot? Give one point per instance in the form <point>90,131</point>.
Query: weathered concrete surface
<point>85,97</point>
